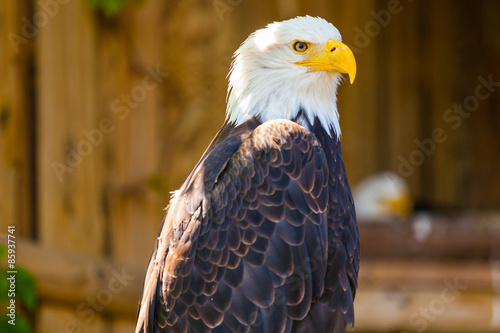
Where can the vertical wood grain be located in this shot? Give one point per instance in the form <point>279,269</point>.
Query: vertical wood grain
<point>70,205</point>
<point>401,110</point>
<point>443,166</point>
<point>130,53</point>
<point>357,103</point>
<point>479,46</point>
<point>16,123</point>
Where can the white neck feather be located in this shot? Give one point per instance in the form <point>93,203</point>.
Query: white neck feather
<point>280,94</point>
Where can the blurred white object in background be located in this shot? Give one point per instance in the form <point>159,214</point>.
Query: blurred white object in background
<point>382,197</point>
<point>422,226</point>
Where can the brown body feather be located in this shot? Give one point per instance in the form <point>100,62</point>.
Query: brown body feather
<point>261,237</point>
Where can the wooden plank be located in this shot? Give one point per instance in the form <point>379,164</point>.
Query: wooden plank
<point>70,278</point>
<point>54,318</point>
<point>443,165</point>
<point>16,123</point>
<point>130,96</point>
<point>71,178</point>
<point>401,110</point>
<point>472,236</point>
<point>427,275</point>
<point>481,156</point>
<point>424,311</point>
<point>357,103</point>
<point>123,326</point>
<point>197,85</point>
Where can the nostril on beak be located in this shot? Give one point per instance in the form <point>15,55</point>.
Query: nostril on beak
<point>333,49</point>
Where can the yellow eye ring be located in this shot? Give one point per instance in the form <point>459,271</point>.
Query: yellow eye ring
<point>300,47</point>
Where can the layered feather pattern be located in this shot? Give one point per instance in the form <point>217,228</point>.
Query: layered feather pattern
<point>260,238</point>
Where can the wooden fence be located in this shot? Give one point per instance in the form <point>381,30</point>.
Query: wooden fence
<point>100,117</point>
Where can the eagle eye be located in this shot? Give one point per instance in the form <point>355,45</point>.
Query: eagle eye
<point>300,46</point>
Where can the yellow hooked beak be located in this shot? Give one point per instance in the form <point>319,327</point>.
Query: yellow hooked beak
<point>401,206</point>
<point>335,56</point>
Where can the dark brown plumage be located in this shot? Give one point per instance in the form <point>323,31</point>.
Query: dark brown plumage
<point>261,237</point>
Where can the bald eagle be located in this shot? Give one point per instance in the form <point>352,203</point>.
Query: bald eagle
<point>382,197</point>
<point>262,235</point>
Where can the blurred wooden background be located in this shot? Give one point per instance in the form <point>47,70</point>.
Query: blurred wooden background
<point>100,117</point>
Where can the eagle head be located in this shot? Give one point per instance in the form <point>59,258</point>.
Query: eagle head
<point>290,67</point>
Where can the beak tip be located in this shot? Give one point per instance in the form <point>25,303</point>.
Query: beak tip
<point>352,77</point>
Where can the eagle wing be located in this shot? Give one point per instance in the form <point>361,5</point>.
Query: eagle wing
<point>250,242</point>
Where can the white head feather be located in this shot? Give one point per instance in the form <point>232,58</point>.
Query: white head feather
<point>266,82</point>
